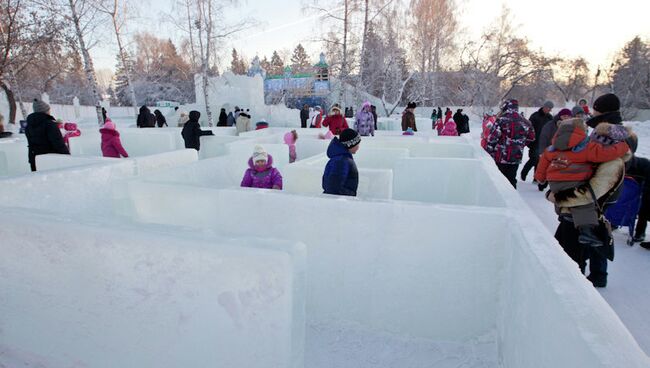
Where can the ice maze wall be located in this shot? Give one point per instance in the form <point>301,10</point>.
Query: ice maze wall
<point>431,249</point>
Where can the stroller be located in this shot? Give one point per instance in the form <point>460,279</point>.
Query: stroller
<point>626,208</point>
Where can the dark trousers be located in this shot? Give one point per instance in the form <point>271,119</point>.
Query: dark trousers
<point>303,123</point>
<point>644,217</point>
<point>567,235</point>
<point>510,172</point>
<point>533,160</point>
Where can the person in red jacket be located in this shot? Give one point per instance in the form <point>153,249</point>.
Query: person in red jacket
<point>569,163</point>
<point>111,144</point>
<point>335,121</point>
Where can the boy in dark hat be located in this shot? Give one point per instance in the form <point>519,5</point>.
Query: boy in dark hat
<point>408,118</point>
<point>341,176</point>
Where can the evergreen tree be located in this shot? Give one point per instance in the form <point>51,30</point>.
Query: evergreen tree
<point>237,65</point>
<point>300,61</point>
<point>266,65</point>
<point>277,65</point>
<point>121,96</point>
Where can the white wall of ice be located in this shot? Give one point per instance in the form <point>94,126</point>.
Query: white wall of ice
<point>100,296</point>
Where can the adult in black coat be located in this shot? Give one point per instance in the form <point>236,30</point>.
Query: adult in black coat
<point>43,134</point>
<point>223,118</point>
<point>145,118</point>
<point>639,168</point>
<point>304,116</point>
<point>192,131</point>
<point>538,119</point>
<point>373,111</point>
<point>160,119</point>
<point>462,122</point>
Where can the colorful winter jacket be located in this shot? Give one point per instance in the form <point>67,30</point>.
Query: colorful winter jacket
<point>336,123</point>
<point>572,155</point>
<point>291,142</point>
<point>267,178</point>
<point>488,121</point>
<point>508,136</point>
<point>341,175</point>
<point>364,123</point>
<point>448,128</point>
<point>111,144</point>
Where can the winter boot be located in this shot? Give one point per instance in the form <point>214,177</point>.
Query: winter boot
<point>524,174</point>
<point>542,187</point>
<point>588,236</point>
<point>597,280</point>
<point>638,238</point>
<point>645,245</point>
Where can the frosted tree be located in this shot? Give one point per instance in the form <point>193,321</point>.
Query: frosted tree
<point>212,31</point>
<point>498,63</point>
<point>433,27</point>
<point>630,76</point>
<point>82,11</point>
<point>299,60</point>
<point>571,78</point>
<point>24,30</point>
<point>118,11</point>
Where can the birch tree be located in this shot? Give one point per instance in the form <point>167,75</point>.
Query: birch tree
<point>118,11</point>
<point>81,10</point>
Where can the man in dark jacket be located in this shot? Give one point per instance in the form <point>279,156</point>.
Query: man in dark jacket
<point>192,131</point>
<point>373,111</point>
<point>538,119</point>
<point>145,118</point>
<point>408,117</point>
<point>639,168</point>
<point>304,116</point>
<point>341,175</point>
<point>462,122</point>
<point>43,134</point>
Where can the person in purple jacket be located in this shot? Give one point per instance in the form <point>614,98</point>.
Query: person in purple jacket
<point>260,172</point>
<point>364,123</point>
<point>111,144</point>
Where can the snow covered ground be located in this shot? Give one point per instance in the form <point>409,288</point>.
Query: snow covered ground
<point>628,289</point>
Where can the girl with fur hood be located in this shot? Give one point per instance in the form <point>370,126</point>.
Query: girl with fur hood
<point>449,126</point>
<point>260,172</point>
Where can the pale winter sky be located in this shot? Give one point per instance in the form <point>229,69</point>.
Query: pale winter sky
<point>595,29</point>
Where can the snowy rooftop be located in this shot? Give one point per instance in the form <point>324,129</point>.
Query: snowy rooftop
<point>162,260</point>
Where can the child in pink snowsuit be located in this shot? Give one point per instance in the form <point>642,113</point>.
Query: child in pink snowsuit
<point>290,140</point>
<point>111,143</point>
<point>449,126</point>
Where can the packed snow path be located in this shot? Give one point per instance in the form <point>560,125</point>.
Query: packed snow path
<point>628,290</point>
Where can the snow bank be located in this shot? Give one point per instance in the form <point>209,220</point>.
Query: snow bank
<point>99,296</point>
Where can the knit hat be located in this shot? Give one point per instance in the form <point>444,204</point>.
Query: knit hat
<point>259,154</point>
<point>109,124</point>
<point>195,115</point>
<point>548,104</point>
<point>577,110</point>
<point>40,106</point>
<point>411,105</point>
<point>511,104</point>
<point>565,112</point>
<point>350,138</point>
<point>607,103</point>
